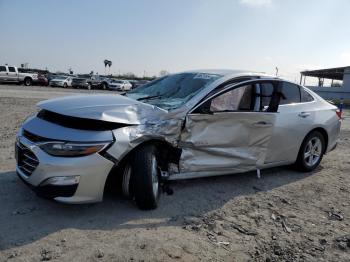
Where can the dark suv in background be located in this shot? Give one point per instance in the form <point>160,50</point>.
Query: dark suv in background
<point>93,82</point>
<point>80,82</point>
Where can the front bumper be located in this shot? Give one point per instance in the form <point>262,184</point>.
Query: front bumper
<point>42,82</point>
<point>118,88</point>
<point>50,191</point>
<point>56,84</point>
<point>92,171</point>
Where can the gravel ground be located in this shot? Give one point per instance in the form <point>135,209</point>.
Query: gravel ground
<point>285,216</point>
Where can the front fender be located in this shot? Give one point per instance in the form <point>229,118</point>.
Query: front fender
<point>127,138</point>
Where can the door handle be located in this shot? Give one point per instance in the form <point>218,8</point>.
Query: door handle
<point>304,114</point>
<point>262,124</point>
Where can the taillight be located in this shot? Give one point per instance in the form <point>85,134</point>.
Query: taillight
<point>339,113</point>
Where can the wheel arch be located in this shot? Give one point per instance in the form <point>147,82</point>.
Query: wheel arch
<point>299,163</point>
<point>324,133</point>
<point>167,153</point>
<point>325,136</point>
<point>27,77</point>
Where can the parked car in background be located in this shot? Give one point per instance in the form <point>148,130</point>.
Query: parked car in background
<point>61,81</point>
<point>133,83</point>
<point>139,83</point>
<point>81,82</point>
<point>10,74</point>
<point>51,76</point>
<point>97,82</point>
<point>181,126</point>
<point>42,80</point>
<point>120,85</point>
<point>91,82</point>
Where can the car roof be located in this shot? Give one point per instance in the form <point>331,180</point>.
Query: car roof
<point>231,73</point>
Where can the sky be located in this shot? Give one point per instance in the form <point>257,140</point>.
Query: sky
<point>147,36</point>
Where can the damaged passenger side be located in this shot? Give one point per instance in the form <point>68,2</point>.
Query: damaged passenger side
<point>229,131</point>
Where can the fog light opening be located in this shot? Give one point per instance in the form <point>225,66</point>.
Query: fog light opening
<point>61,181</point>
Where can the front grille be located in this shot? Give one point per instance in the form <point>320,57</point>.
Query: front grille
<point>26,160</point>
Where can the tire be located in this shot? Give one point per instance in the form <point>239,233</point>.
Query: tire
<point>145,178</point>
<point>65,85</point>
<point>89,86</point>
<point>311,152</point>
<point>27,81</point>
<point>104,86</point>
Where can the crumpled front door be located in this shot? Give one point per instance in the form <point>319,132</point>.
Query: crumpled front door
<point>225,142</point>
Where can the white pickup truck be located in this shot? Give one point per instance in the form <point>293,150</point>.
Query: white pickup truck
<point>10,74</point>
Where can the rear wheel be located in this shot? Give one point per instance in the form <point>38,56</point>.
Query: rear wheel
<point>27,81</point>
<point>145,177</point>
<point>311,152</point>
<point>65,85</point>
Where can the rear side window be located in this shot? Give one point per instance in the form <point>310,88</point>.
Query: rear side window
<point>291,93</point>
<point>2,69</point>
<point>305,96</point>
<point>12,69</point>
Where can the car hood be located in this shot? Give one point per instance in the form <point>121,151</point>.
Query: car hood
<point>111,108</point>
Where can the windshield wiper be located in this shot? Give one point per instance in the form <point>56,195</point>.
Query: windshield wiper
<point>159,95</point>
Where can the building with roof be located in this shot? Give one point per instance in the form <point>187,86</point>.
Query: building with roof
<point>339,78</point>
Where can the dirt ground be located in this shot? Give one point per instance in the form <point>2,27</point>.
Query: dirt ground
<point>284,216</point>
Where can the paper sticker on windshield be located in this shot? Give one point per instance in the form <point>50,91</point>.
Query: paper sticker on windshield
<point>204,76</point>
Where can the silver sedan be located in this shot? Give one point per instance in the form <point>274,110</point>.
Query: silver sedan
<point>186,125</point>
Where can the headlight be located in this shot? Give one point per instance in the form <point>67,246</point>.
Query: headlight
<point>72,149</point>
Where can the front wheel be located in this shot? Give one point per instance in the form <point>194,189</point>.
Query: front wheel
<point>311,152</point>
<point>145,177</point>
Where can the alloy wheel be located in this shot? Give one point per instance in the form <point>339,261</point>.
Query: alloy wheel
<point>155,180</point>
<point>313,151</point>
